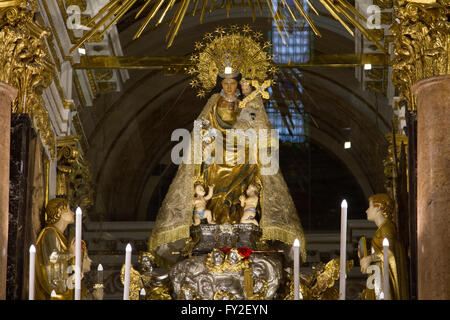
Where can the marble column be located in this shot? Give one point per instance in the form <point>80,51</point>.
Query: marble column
<point>7,95</point>
<point>19,211</point>
<point>433,187</point>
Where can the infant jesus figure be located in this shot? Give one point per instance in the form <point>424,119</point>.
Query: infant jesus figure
<point>200,211</point>
<point>249,204</point>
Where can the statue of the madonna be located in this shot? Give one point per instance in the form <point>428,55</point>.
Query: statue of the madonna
<point>225,67</point>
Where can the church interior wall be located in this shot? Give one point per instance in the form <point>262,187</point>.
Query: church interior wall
<point>123,123</point>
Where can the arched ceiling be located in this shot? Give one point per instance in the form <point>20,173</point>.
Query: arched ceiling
<point>129,131</point>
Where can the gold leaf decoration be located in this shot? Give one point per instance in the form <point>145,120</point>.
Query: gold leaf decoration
<point>237,49</point>
<point>25,66</point>
<point>422,44</point>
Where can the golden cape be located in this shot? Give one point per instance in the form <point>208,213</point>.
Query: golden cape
<point>398,273</point>
<point>48,240</point>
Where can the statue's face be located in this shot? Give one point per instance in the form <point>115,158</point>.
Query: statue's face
<point>246,88</point>
<point>67,215</point>
<point>258,286</point>
<point>218,257</point>
<point>372,212</point>
<point>146,264</point>
<point>206,288</point>
<point>251,190</point>
<point>200,190</point>
<point>233,257</point>
<point>229,86</point>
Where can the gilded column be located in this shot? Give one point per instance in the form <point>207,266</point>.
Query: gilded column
<point>7,96</point>
<point>24,73</point>
<point>422,75</point>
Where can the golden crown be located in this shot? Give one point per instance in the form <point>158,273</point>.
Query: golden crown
<point>231,51</point>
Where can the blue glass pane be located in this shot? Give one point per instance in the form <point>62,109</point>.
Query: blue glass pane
<point>297,50</point>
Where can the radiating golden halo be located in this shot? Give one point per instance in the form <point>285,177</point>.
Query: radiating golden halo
<point>235,48</point>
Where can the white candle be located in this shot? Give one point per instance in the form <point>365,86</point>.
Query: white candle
<point>100,274</point>
<point>343,253</point>
<point>142,294</point>
<point>126,285</point>
<point>31,272</point>
<point>296,269</point>
<point>78,220</point>
<point>386,269</point>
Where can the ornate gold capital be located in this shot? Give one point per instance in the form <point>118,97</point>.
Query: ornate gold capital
<point>24,64</point>
<point>73,177</point>
<point>422,43</point>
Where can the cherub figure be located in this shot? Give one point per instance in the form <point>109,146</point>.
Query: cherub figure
<point>215,261</point>
<point>200,211</point>
<point>249,204</point>
<point>246,87</point>
<point>233,257</point>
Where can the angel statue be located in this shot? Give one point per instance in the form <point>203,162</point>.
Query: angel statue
<point>227,65</point>
<point>380,211</point>
<point>200,200</point>
<point>249,204</point>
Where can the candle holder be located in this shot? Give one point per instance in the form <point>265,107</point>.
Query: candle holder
<point>98,291</point>
<point>99,286</point>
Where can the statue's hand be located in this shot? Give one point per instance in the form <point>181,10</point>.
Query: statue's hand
<point>72,247</point>
<point>242,198</point>
<point>365,263</point>
<point>54,257</point>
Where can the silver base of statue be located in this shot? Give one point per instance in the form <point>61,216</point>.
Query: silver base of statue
<point>212,274</point>
<point>206,237</point>
<point>228,262</point>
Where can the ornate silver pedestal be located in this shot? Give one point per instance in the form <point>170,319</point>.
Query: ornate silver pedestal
<point>226,262</point>
<point>222,275</point>
<point>206,237</point>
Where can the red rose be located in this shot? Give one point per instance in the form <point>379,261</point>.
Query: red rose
<point>245,252</point>
<point>225,250</point>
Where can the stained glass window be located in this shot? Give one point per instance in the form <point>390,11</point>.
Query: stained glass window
<point>296,50</point>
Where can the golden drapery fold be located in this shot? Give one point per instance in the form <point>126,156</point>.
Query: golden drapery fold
<point>230,180</point>
<point>398,279</point>
<point>49,240</point>
<point>279,218</point>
